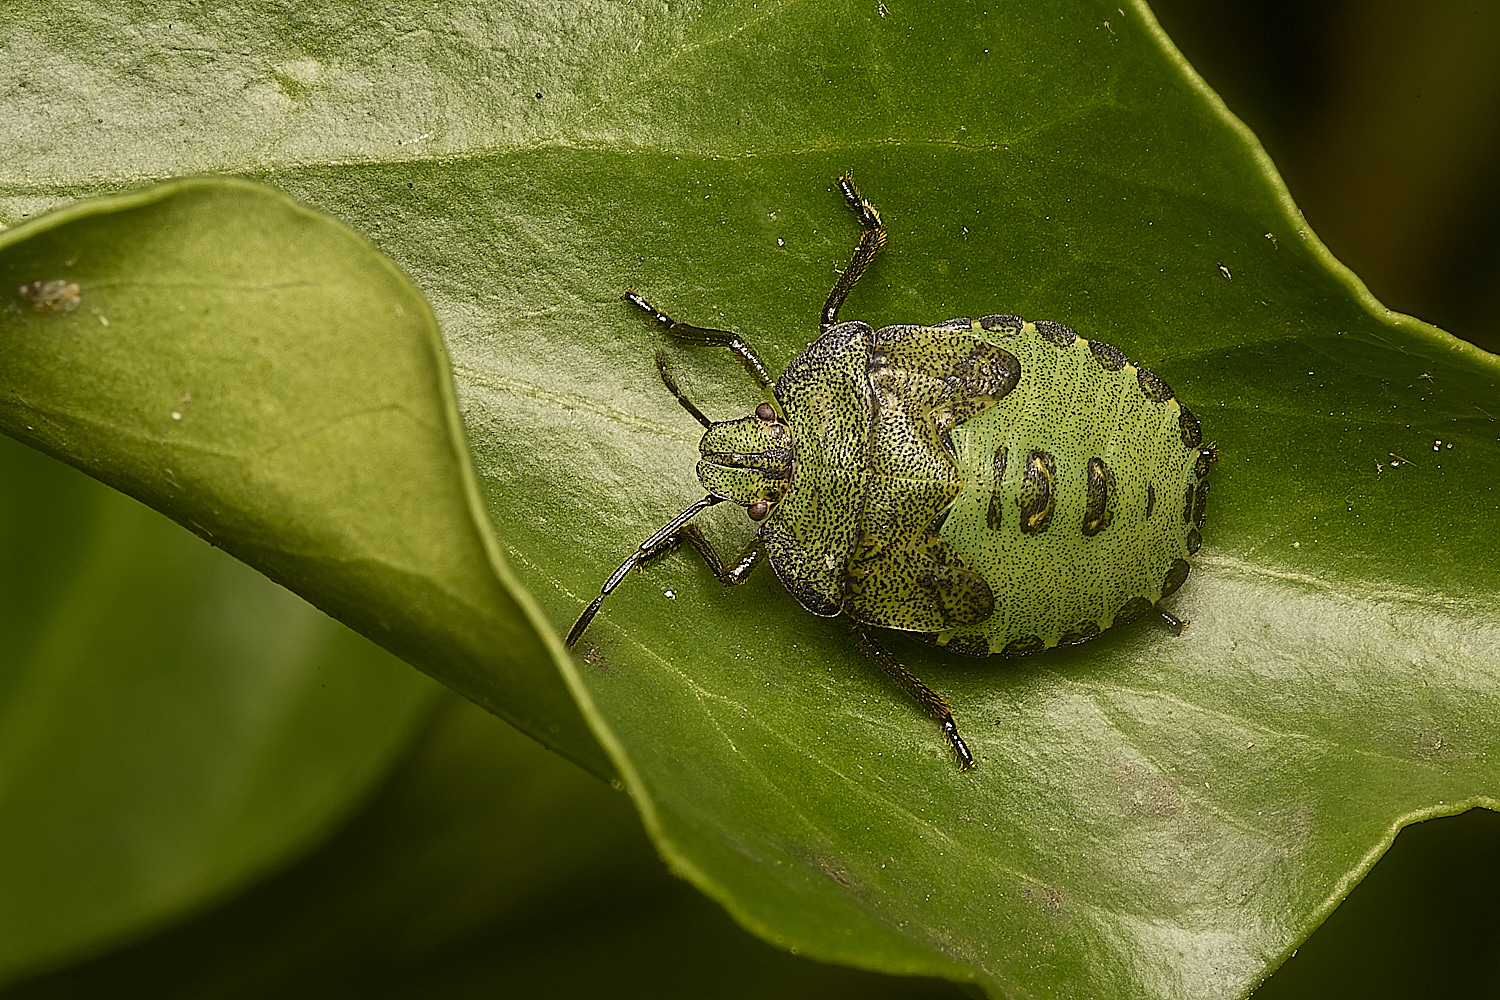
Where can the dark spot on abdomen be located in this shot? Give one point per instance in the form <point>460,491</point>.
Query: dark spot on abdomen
<point>1099,484</point>
<point>1111,359</point>
<point>995,321</point>
<point>1024,646</point>
<point>1177,574</point>
<point>1152,386</point>
<point>969,647</point>
<point>1038,496</point>
<point>1192,433</point>
<point>1082,632</point>
<point>1056,333</point>
<point>995,516</point>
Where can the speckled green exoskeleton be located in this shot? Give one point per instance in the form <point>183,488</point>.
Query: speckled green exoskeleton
<point>995,485</point>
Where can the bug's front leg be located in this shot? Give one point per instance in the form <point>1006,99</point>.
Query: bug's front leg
<point>646,550</point>
<point>932,703</point>
<point>731,575</point>
<point>664,541</point>
<point>689,334</point>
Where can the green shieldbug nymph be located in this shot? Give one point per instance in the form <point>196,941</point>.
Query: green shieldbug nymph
<point>995,485</point>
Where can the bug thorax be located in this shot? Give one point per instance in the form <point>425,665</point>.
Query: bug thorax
<point>748,460</point>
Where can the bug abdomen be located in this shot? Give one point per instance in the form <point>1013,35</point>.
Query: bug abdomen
<point>1079,497</point>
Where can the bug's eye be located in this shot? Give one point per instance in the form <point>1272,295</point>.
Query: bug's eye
<point>766,412</point>
<point>759,509</point>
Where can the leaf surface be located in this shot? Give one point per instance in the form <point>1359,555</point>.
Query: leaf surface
<point>263,376</point>
<point>1152,815</point>
<point>172,724</point>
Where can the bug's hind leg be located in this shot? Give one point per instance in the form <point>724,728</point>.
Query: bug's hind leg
<point>689,334</point>
<point>932,703</point>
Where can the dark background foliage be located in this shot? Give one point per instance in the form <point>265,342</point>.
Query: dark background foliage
<point>1384,119</point>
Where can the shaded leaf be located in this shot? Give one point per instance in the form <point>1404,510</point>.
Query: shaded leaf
<point>263,376</point>
<point>172,725</point>
<point>486,866</point>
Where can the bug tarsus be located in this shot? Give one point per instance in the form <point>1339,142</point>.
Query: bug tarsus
<point>1171,621</point>
<point>730,575</point>
<point>932,703</point>
<point>950,730</point>
<point>871,239</point>
<point>576,632</point>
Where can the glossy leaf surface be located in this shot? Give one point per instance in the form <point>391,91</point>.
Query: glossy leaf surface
<point>1152,815</point>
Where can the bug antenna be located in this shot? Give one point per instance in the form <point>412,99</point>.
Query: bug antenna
<point>644,551</point>
<point>671,383</point>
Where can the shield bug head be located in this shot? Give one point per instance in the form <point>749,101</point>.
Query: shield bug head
<point>748,460</point>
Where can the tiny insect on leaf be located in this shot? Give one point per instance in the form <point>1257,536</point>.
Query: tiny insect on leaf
<point>994,485</point>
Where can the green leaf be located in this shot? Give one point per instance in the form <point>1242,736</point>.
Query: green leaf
<point>172,725</point>
<point>1152,816</point>
<point>266,378</point>
<point>486,866</point>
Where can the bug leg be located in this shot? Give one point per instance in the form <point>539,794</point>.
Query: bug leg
<point>1171,621</point>
<point>932,703</point>
<point>644,552</point>
<point>871,239</point>
<point>732,575</point>
<point>690,334</point>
